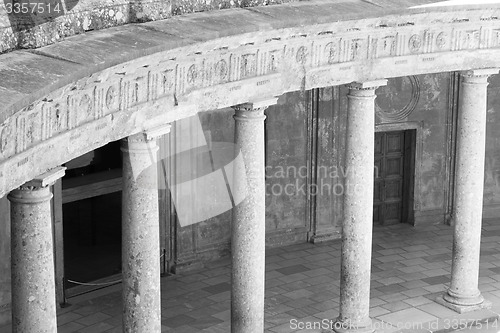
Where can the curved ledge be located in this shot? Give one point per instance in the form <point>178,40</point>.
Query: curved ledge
<point>71,97</point>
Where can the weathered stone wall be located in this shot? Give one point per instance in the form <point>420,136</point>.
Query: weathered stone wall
<point>49,21</point>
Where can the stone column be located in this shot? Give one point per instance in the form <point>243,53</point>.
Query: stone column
<point>358,209</point>
<point>140,233</point>
<point>463,294</point>
<point>249,225</point>
<point>32,256</point>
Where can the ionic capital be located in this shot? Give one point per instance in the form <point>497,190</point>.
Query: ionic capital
<point>365,89</point>
<point>149,134</point>
<point>478,76</point>
<point>253,110</point>
<point>368,85</point>
<point>37,190</point>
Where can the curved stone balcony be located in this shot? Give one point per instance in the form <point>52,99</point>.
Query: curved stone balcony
<point>62,100</point>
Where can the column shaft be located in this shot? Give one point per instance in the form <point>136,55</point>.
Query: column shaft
<point>358,210</point>
<point>468,203</point>
<point>249,228</point>
<point>32,259</point>
<point>140,236</point>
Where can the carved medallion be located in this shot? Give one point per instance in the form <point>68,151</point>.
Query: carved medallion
<point>398,99</point>
<point>414,43</point>
<point>221,69</point>
<point>86,107</point>
<point>192,74</point>
<point>110,97</point>
<point>301,56</point>
<point>331,52</point>
<point>441,40</point>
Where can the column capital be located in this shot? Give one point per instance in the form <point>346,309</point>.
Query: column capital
<point>367,85</point>
<point>259,107</point>
<point>478,76</point>
<point>149,134</point>
<point>30,192</point>
<point>46,179</point>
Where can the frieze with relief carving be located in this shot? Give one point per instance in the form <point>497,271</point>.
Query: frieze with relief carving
<point>173,78</point>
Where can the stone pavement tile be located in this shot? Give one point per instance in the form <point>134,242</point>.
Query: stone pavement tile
<point>205,322</point>
<point>296,285</point>
<point>96,328</point>
<point>413,255</point>
<point>416,301</point>
<point>299,314</point>
<point>218,288</point>
<point>325,305</point>
<point>437,310</point>
<point>378,311</point>
<point>414,284</point>
<point>67,317</point>
<point>69,327</point>
<point>486,287</point>
<point>293,277</point>
<point>396,306</point>
<point>438,279</point>
<point>395,297</point>
<point>276,309</point>
<point>299,293</point>
<point>390,280</point>
<point>328,314</point>
<point>375,301</point>
<point>175,311</point>
<point>392,288</point>
<point>178,321</point>
<point>415,292</point>
<point>202,312</point>
<point>324,296</point>
<point>435,268</point>
<point>413,262</point>
<point>317,272</point>
<point>319,279</point>
<point>217,280</point>
<point>485,279</point>
<point>88,309</point>
<point>114,321</point>
<point>274,282</point>
<point>412,276</point>
<point>300,303</point>
<point>220,297</point>
<point>93,318</point>
<point>224,315</point>
<point>412,269</point>
<point>278,319</point>
<point>402,317</point>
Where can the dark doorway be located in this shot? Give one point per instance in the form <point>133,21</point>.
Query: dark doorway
<point>394,170</point>
<point>91,210</point>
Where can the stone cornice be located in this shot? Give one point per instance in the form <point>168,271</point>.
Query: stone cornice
<point>48,110</point>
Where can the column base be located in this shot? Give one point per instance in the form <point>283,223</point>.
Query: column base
<point>462,308</point>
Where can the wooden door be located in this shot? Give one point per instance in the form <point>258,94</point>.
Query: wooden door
<point>389,172</point>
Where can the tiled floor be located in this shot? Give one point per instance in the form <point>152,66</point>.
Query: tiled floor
<point>411,266</point>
